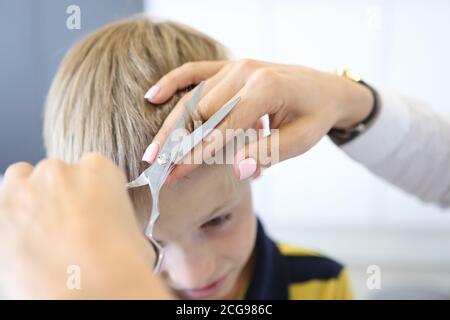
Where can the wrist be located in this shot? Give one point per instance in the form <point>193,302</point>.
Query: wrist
<point>356,105</point>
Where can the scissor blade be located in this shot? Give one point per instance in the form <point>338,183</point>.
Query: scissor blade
<point>193,101</point>
<point>138,182</point>
<point>173,140</point>
<point>189,142</point>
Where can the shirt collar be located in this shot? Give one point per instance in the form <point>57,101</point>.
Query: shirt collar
<point>269,277</point>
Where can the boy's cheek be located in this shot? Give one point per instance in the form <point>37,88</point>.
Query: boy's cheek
<point>245,225</point>
<point>240,242</point>
<point>238,247</point>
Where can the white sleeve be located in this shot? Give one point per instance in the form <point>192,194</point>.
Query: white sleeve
<point>409,146</point>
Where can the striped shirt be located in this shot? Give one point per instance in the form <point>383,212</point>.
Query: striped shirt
<point>284,272</point>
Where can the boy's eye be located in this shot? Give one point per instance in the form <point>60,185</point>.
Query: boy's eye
<point>217,221</point>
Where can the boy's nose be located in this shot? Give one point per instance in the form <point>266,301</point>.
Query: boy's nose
<point>188,269</point>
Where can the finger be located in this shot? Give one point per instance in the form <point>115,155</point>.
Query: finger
<point>189,164</point>
<point>51,170</point>
<point>258,97</point>
<point>188,74</point>
<point>17,171</point>
<point>243,116</point>
<point>259,125</point>
<point>94,161</point>
<point>225,89</point>
<point>158,141</point>
<point>170,121</point>
<point>97,163</point>
<point>290,141</point>
<point>250,108</point>
<point>195,158</point>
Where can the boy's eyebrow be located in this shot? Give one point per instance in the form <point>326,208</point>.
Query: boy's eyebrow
<point>214,212</point>
<point>220,208</point>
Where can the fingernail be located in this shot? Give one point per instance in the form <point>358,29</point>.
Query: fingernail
<point>247,168</point>
<point>151,152</point>
<point>152,92</point>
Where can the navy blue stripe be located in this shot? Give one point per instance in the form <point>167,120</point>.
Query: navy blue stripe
<point>269,280</point>
<point>274,272</point>
<point>304,268</point>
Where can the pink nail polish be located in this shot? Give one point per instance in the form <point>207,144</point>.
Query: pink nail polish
<point>151,152</point>
<point>247,168</point>
<point>152,92</point>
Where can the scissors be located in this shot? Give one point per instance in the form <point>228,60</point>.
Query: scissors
<point>175,149</point>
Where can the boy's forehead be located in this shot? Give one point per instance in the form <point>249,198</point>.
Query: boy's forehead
<point>204,190</point>
<point>211,175</point>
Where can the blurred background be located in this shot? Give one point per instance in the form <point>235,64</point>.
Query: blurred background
<point>322,200</point>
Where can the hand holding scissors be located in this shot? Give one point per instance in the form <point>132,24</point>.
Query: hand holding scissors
<point>302,103</point>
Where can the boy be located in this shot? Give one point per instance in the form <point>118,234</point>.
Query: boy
<point>215,248</point>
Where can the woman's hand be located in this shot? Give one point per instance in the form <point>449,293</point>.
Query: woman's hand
<point>69,231</point>
<point>304,104</point>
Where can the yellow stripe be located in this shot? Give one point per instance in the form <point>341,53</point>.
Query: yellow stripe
<point>288,250</point>
<point>334,289</point>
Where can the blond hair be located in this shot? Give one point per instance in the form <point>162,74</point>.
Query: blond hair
<point>96,101</point>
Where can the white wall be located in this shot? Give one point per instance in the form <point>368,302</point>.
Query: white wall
<point>323,199</point>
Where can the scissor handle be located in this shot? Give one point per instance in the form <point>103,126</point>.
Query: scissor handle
<point>159,254</point>
<point>154,215</point>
